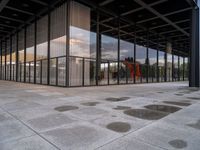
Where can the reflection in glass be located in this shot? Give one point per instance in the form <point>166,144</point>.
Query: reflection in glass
<point>57,41</point>
<point>109,46</point>
<point>82,45</point>
<point>140,65</point>
<point>169,67</point>
<point>161,66</point>
<point>8,60</point>
<point>20,55</point>
<point>186,69</point>
<point>13,56</point>
<point>181,66</point>
<point>152,65</point>
<point>175,68</point>
<point>126,67</point>
<point>30,51</point>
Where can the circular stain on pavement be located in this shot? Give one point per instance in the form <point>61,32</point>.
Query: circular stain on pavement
<point>65,108</point>
<point>178,144</point>
<point>177,103</point>
<point>179,94</point>
<point>145,114</point>
<point>195,125</point>
<point>163,108</point>
<point>194,98</point>
<point>113,99</point>
<point>122,108</point>
<point>119,126</point>
<point>90,103</point>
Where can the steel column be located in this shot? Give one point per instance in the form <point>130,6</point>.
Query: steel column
<point>194,60</point>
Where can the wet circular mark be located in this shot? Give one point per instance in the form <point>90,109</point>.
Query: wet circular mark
<point>90,103</point>
<point>178,144</point>
<point>122,108</point>
<point>163,108</point>
<point>65,108</point>
<point>179,94</point>
<point>114,99</point>
<point>145,114</point>
<point>177,103</point>
<point>194,98</point>
<point>119,126</point>
<point>195,125</point>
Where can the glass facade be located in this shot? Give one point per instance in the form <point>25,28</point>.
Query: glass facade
<point>58,46</point>
<point>169,67</point>
<point>161,66</point>
<point>126,68</point>
<point>141,64</point>
<point>69,51</point>
<point>152,65</point>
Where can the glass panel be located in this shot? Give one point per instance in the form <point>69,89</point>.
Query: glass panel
<point>140,64</point>
<point>44,71</point>
<point>53,71</point>
<point>169,67</point>
<point>8,60</point>
<point>27,72</point>
<point>20,54</point>
<point>38,71</point>
<point>181,68</point>
<point>41,54</point>
<point>109,46</point>
<point>175,69</point>
<point>3,60</point>
<point>103,78</point>
<point>61,71</point>
<point>31,72</point>
<point>126,70</point>
<point>58,40</point>
<point>82,43</point>
<point>90,72</point>
<point>76,71</point>
<point>13,55</point>
<point>161,66</point>
<point>186,70</point>
<point>152,65</point>
<point>30,50</point>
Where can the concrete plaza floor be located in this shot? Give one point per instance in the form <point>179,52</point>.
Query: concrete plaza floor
<point>153,116</point>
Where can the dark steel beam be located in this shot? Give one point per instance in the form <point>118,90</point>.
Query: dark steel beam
<point>134,10</point>
<point>106,2</point>
<point>40,2</point>
<point>3,4</point>
<point>12,19</point>
<point>176,22</point>
<point>8,26</point>
<point>19,10</point>
<point>140,2</point>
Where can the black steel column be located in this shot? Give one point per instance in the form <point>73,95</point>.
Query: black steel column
<point>118,50</point>
<point>35,51</point>
<point>5,59</point>
<point>10,57</point>
<point>24,54</point>
<point>67,44</point>
<point>147,57</point>
<point>1,61</point>
<point>48,48</point>
<point>194,60</point>
<point>98,54</point>
<point>165,67</point>
<point>157,65</point>
<point>178,68</point>
<point>134,53</point>
<point>173,67</point>
<point>17,57</point>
